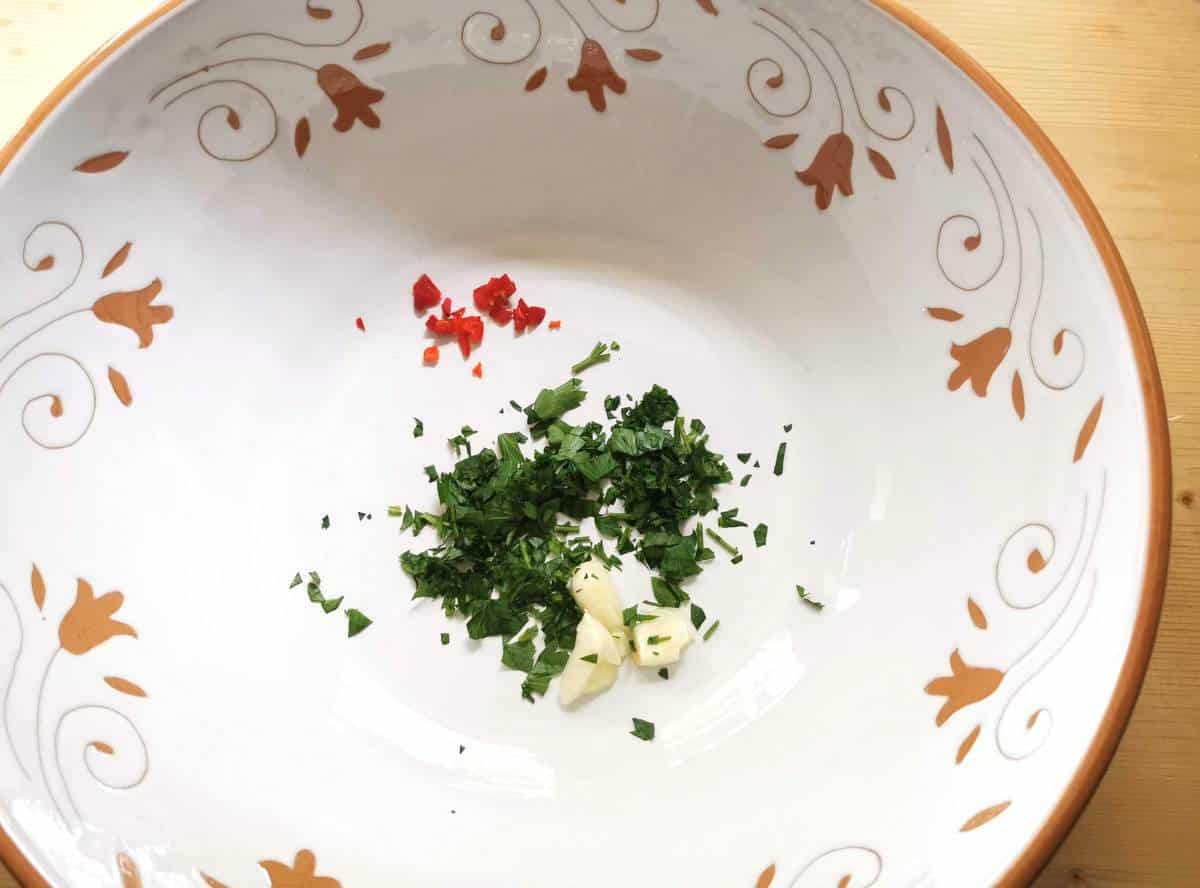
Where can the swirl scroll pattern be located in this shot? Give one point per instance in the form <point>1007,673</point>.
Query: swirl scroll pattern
<point>87,624</point>
<point>241,122</point>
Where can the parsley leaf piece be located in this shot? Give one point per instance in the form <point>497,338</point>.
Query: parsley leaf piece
<point>711,629</point>
<point>331,604</point>
<point>779,455</point>
<point>445,638</point>
<point>666,593</point>
<point>591,658</point>
<point>760,535</point>
<point>788,428</point>
<point>737,559</point>
<point>296,581</point>
<point>722,542</point>
<point>611,405</point>
<point>418,428</point>
<point>658,639</point>
<point>518,655</point>
<point>600,355</point>
<point>815,605</point>
<point>744,458</point>
<point>431,473</point>
<point>643,729</point>
<point>698,616</point>
<point>325,523</point>
<point>664,674</point>
<point>745,480</point>
<point>729,519</point>
<point>358,622</point>
<point>549,664</point>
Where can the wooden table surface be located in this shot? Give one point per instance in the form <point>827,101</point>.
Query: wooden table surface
<point>1116,83</point>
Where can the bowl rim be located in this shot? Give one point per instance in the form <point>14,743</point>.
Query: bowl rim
<point>1103,747</point>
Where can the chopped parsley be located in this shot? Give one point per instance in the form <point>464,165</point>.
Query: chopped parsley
<point>745,480</point>
<point>643,729</point>
<point>698,616</point>
<point>296,581</point>
<point>788,428</point>
<point>711,629</point>
<point>664,674</point>
<point>815,605</point>
<point>445,638</point>
<point>729,519</point>
<point>744,458</point>
<point>325,523</point>
<point>779,455</point>
<point>760,535</point>
<point>358,622</point>
<point>655,640</point>
<point>722,542</point>
<point>329,605</point>
<point>591,658</point>
<point>509,516</point>
<point>601,354</point>
<point>419,428</point>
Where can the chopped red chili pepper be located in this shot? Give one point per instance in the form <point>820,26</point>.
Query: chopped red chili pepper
<point>473,327</point>
<point>502,315</point>
<point>361,325</point>
<point>425,294</point>
<point>496,292</point>
<point>464,343</point>
<point>431,355</point>
<point>446,306</point>
<point>477,372</point>
<point>556,325</point>
<point>535,314</point>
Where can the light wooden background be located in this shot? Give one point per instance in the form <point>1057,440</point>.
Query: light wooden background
<point>1116,83</point>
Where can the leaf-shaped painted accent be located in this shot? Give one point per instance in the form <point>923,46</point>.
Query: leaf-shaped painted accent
<point>320,13</point>
<point>778,143</point>
<point>1036,562</point>
<point>971,244</point>
<point>644,55</point>
<point>56,406</point>
<point>978,617</point>
<point>1033,719</point>
<point>1058,341</point>
<point>881,164</point>
<point>767,877</point>
<point>944,142</point>
<point>964,748</point>
<point>102,163</point>
<point>101,746</point>
<point>211,882</point>
<point>130,876</point>
<point>776,81</point>
<point>1018,394</point>
<point>707,6</point>
<point>844,881</point>
<point>38,587</point>
<point>536,79</point>
<point>372,51</point>
<point>944,314</point>
<point>303,136</point>
<point>884,102</point>
<point>499,31</point>
<point>233,119</point>
<point>120,386</point>
<point>124,686</point>
<point>45,264</point>
<point>117,260</point>
<point>1088,431</point>
<point>987,815</point>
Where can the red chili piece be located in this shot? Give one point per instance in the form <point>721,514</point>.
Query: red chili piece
<point>425,294</point>
<point>478,371</point>
<point>432,354</point>
<point>495,293</point>
<point>464,343</point>
<point>446,307</point>
<point>362,326</point>
<point>556,325</point>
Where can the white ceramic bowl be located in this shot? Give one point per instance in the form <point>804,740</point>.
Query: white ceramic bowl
<point>817,213</point>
